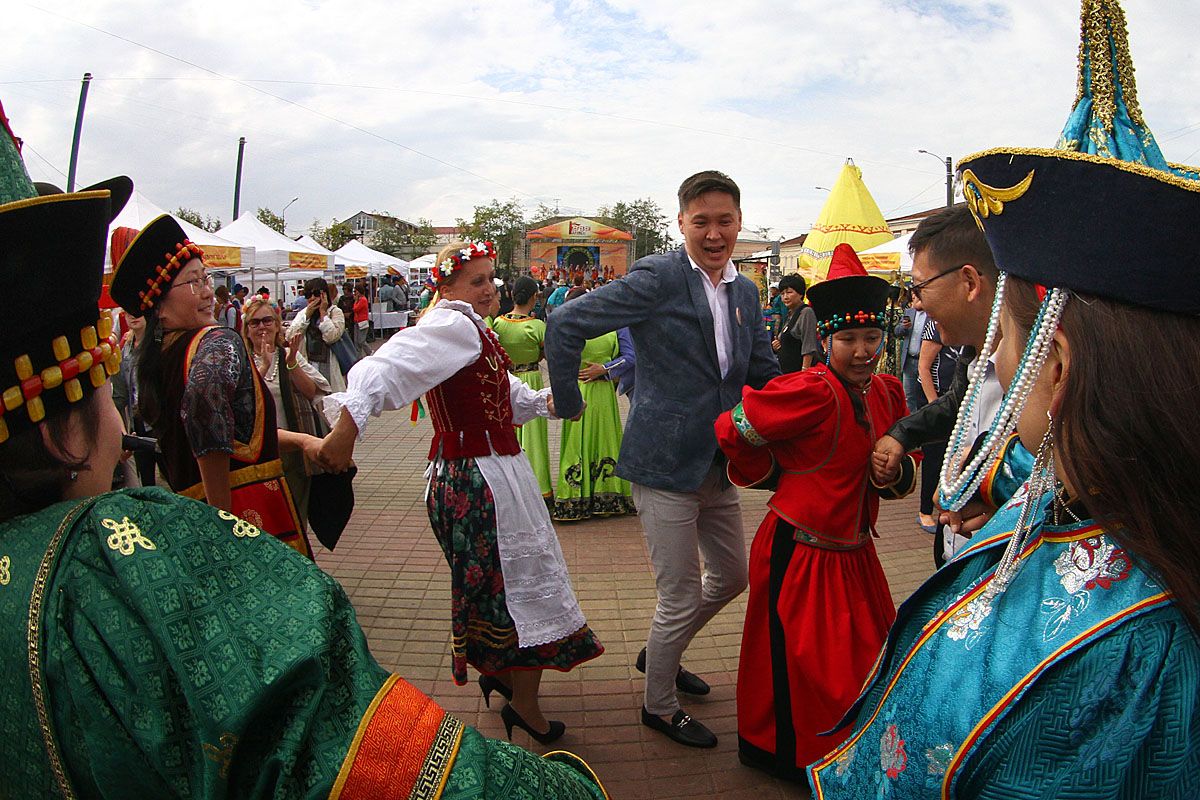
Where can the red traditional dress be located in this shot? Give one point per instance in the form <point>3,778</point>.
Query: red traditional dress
<point>819,607</point>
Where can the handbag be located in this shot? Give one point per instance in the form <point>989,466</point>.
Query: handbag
<point>345,351</point>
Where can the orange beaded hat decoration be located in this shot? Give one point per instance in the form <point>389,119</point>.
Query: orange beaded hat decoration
<point>52,246</point>
<point>149,265</point>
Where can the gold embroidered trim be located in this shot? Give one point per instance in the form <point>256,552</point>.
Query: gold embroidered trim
<point>745,429</point>
<point>125,537</point>
<point>240,477</point>
<point>222,755</point>
<point>34,637</point>
<point>1071,155</point>
<point>241,528</point>
<point>5,574</point>
<point>436,768</point>
<point>984,200</point>
<point>1099,20</point>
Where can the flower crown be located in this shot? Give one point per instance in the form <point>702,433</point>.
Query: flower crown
<point>455,261</point>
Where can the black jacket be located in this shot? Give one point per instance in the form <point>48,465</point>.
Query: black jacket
<point>935,422</point>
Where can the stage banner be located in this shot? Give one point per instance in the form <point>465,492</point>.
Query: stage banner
<point>221,257</point>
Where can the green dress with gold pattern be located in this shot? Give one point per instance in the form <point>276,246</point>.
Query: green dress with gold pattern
<point>522,338</point>
<point>154,646</point>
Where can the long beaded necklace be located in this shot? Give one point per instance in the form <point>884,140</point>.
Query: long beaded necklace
<point>960,477</point>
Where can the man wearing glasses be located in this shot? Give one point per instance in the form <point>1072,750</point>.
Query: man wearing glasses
<point>954,278</point>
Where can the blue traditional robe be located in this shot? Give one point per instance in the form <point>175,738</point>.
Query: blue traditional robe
<point>1081,680</point>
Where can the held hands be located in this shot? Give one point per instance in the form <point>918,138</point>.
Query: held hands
<point>554,414</point>
<point>337,449</point>
<point>592,372</point>
<point>885,460</point>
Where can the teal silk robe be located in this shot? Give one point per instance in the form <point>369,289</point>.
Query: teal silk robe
<point>1081,680</point>
<point>154,646</point>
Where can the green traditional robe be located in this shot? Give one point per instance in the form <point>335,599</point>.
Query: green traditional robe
<point>154,646</point>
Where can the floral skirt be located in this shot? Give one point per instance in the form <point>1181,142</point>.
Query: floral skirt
<point>463,516</point>
<point>587,482</point>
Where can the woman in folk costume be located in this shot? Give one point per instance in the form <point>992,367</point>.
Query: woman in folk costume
<point>514,613</point>
<point>199,391</point>
<point>1057,656</point>
<point>522,336</point>
<point>819,605</point>
<point>153,646</point>
<point>587,458</point>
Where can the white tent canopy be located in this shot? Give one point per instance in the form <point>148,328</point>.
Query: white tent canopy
<point>278,260</point>
<point>221,253</point>
<point>897,245</point>
<point>355,253</point>
<point>314,245</point>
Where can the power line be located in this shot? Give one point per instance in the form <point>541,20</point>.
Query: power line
<point>282,99</point>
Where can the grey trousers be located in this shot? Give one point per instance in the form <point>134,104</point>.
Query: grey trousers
<point>679,528</point>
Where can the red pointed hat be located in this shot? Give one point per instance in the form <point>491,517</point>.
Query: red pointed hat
<point>849,297</point>
<point>844,263</point>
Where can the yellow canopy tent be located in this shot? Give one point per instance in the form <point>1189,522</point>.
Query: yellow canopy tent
<point>850,215</point>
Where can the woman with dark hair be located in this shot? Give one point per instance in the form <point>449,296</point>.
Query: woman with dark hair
<point>797,344</point>
<point>522,336</point>
<point>588,485</point>
<point>514,613</point>
<point>819,606</point>
<point>323,324</point>
<point>198,390</point>
<point>1074,614</point>
<point>159,647</point>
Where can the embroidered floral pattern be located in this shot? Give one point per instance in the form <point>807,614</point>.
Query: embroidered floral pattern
<point>5,573</point>
<point>966,623</point>
<point>845,760</point>
<point>937,761</point>
<point>1092,563</point>
<point>893,759</point>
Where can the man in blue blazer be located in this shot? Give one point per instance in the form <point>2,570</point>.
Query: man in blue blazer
<point>698,332</point>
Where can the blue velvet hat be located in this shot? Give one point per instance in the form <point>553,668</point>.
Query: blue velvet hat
<point>1103,213</point>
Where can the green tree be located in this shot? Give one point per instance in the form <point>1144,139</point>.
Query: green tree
<point>390,236</point>
<point>210,224</point>
<point>504,224</point>
<point>269,218</point>
<point>644,218</point>
<point>542,214</point>
<point>423,239</point>
<point>333,236</point>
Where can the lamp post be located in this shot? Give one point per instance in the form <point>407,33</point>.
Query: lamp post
<point>823,188</point>
<point>237,180</point>
<point>949,175</point>
<point>83,92</point>
<point>283,214</point>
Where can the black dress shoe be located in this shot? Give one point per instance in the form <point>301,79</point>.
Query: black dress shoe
<point>682,728</point>
<point>685,681</point>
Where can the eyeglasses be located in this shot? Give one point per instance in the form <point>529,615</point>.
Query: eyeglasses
<point>917,287</point>
<point>260,322</point>
<point>205,281</point>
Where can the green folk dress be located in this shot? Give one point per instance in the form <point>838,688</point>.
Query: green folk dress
<point>587,483</point>
<point>522,338</point>
<point>154,646</point>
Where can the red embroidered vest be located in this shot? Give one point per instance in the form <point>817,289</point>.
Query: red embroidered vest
<point>471,412</point>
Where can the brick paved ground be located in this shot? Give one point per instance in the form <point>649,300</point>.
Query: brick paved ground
<point>393,570</point>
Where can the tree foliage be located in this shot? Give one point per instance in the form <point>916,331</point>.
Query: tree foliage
<point>269,218</point>
<point>504,224</point>
<point>424,238</point>
<point>332,236</point>
<point>204,222</point>
<point>644,218</point>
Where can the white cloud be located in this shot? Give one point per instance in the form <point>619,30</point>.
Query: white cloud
<point>580,101</point>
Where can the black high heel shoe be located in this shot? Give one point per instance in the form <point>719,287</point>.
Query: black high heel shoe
<point>511,718</point>
<point>489,684</point>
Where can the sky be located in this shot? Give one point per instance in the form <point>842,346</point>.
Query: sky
<point>428,109</point>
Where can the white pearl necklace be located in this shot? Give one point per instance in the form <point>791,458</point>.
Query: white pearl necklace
<point>960,478</point>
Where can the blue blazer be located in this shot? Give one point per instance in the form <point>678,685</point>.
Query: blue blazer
<point>669,441</point>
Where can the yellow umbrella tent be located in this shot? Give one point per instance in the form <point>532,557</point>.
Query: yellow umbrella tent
<point>850,215</point>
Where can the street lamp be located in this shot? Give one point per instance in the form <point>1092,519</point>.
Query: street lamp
<point>949,176</point>
<point>822,188</point>
<point>283,214</point>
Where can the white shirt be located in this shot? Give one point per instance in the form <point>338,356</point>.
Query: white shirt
<point>537,589</point>
<point>718,304</point>
<point>991,393</point>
